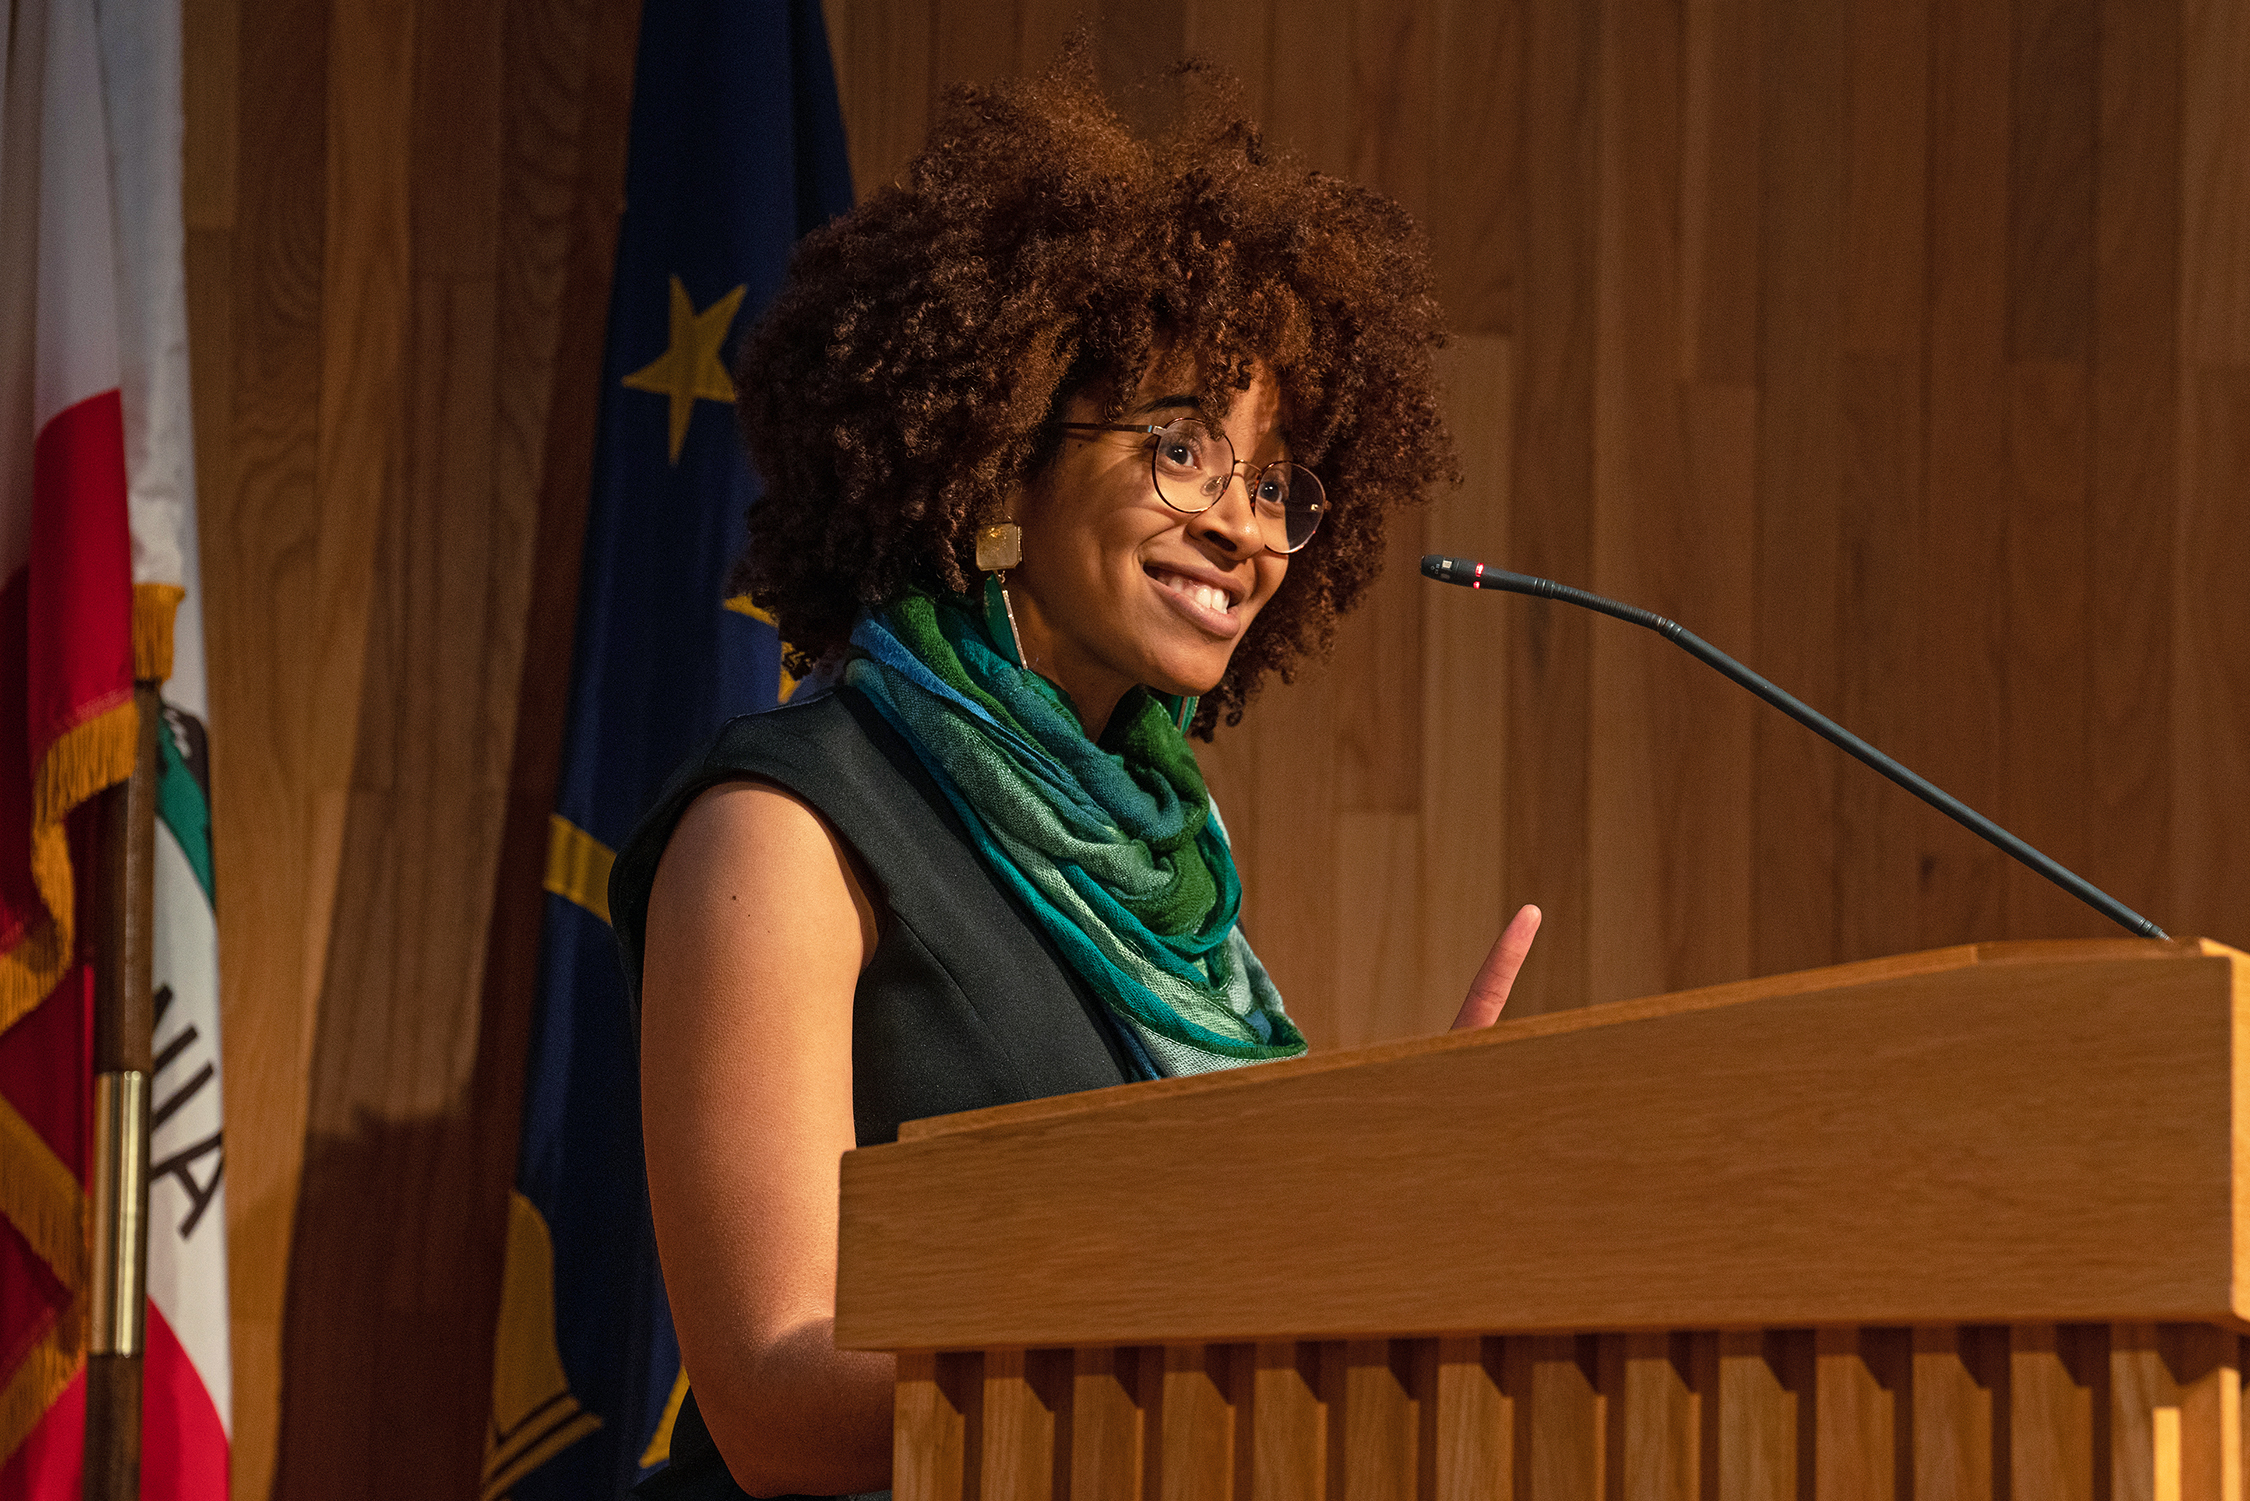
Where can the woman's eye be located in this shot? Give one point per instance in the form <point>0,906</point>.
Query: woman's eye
<point>1273,491</point>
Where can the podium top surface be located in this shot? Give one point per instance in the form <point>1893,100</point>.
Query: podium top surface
<point>2020,1132</point>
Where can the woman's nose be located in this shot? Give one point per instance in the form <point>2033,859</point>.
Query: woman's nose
<point>1230,520</point>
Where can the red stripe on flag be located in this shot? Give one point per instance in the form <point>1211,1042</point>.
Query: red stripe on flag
<point>49,1462</point>
<point>20,907</point>
<point>183,1447</point>
<point>79,651</point>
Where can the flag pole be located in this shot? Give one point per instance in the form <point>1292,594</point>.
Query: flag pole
<point>123,1023</point>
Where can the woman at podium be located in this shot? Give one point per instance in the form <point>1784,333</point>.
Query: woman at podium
<point>1070,440</point>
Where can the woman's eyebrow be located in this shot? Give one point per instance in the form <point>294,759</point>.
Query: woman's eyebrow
<point>1166,401</point>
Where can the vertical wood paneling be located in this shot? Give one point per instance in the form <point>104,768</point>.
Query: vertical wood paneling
<point>1468,1423</point>
<point>1639,487</point>
<point>2052,97</point>
<point>1382,1422</point>
<point>1953,1415</point>
<point>1963,545</point>
<point>1550,529</point>
<point>1289,1425</point>
<point>1465,640</point>
<point>1719,197</point>
<point>883,67</point>
<point>2211,645</point>
<point>255,273</point>
<point>1656,1424</point>
<point>375,357</point>
<point>1106,1437</point>
<point>975,41</point>
<point>2205,1367</point>
<point>1476,237</point>
<point>2057,1379</point>
<point>2049,427</point>
<point>1562,1418</point>
<point>1858,1384</point>
<point>1753,1433</point>
<point>1805,84</point>
<point>1669,787</point>
<point>1236,35</point>
<point>1877,825</point>
<point>1026,1414</point>
<point>2215,167</point>
<point>2144,1437</point>
<point>2050,336</point>
<point>936,1411</point>
<point>2134,497</point>
<point>1194,1431</point>
<point>2211,648</point>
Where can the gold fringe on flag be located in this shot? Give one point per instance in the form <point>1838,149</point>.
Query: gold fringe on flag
<point>94,754</point>
<point>41,1198</point>
<point>155,606</point>
<point>38,1379</point>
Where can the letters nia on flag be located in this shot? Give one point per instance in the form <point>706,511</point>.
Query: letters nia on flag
<point>737,149</point>
<point>97,588</point>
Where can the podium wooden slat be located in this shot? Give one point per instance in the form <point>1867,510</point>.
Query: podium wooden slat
<point>1756,1439</point>
<point>1382,1423</point>
<point>1961,1224</point>
<point>1567,1417</point>
<point>1470,1424</point>
<point>1858,1379</point>
<point>1953,1412</point>
<point>1106,1436</point>
<point>1658,1446</point>
<point>2206,1365</point>
<point>2052,1389</point>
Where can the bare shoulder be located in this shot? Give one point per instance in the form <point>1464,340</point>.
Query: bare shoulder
<point>753,861</point>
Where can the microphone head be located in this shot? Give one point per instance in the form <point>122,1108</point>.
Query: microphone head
<point>1436,567</point>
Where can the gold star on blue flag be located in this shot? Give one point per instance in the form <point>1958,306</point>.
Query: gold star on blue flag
<point>689,369</point>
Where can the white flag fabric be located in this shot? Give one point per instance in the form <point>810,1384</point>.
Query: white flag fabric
<point>189,1386</point>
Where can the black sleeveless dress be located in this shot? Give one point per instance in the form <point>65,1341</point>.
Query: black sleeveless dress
<point>964,1004</point>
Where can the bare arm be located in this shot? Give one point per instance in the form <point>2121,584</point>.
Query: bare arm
<point>758,928</point>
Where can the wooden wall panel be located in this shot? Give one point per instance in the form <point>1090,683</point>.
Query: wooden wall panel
<point>257,158</point>
<point>383,199</point>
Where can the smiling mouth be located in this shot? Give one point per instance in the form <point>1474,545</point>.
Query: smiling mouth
<point>1208,596</point>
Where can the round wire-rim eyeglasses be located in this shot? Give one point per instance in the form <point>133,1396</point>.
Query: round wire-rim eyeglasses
<point>1184,464</point>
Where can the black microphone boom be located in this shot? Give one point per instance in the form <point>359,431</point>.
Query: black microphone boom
<point>1476,576</point>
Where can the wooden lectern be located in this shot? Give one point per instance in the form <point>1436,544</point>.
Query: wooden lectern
<point>1969,1223</point>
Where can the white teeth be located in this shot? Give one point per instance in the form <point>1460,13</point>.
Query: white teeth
<point>1203,594</point>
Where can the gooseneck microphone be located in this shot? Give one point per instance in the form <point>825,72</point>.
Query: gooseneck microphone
<point>1476,576</point>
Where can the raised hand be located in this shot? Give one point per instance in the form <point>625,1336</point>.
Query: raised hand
<point>1488,992</point>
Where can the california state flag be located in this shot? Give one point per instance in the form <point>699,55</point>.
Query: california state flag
<point>97,586</point>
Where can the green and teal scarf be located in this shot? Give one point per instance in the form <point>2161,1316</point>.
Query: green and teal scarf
<point>1116,853</point>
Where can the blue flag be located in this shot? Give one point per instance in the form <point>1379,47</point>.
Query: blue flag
<point>737,149</point>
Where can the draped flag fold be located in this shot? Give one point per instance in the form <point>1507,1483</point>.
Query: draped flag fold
<point>737,149</point>
<point>97,588</point>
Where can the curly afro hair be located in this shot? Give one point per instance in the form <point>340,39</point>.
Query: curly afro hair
<point>909,375</point>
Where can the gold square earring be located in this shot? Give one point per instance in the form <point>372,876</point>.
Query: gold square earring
<point>1000,548</point>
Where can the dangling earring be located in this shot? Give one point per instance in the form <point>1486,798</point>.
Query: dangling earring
<point>1000,548</point>
<point>1183,710</point>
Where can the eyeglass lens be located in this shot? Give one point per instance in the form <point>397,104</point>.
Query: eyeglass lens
<point>1193,464</point>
